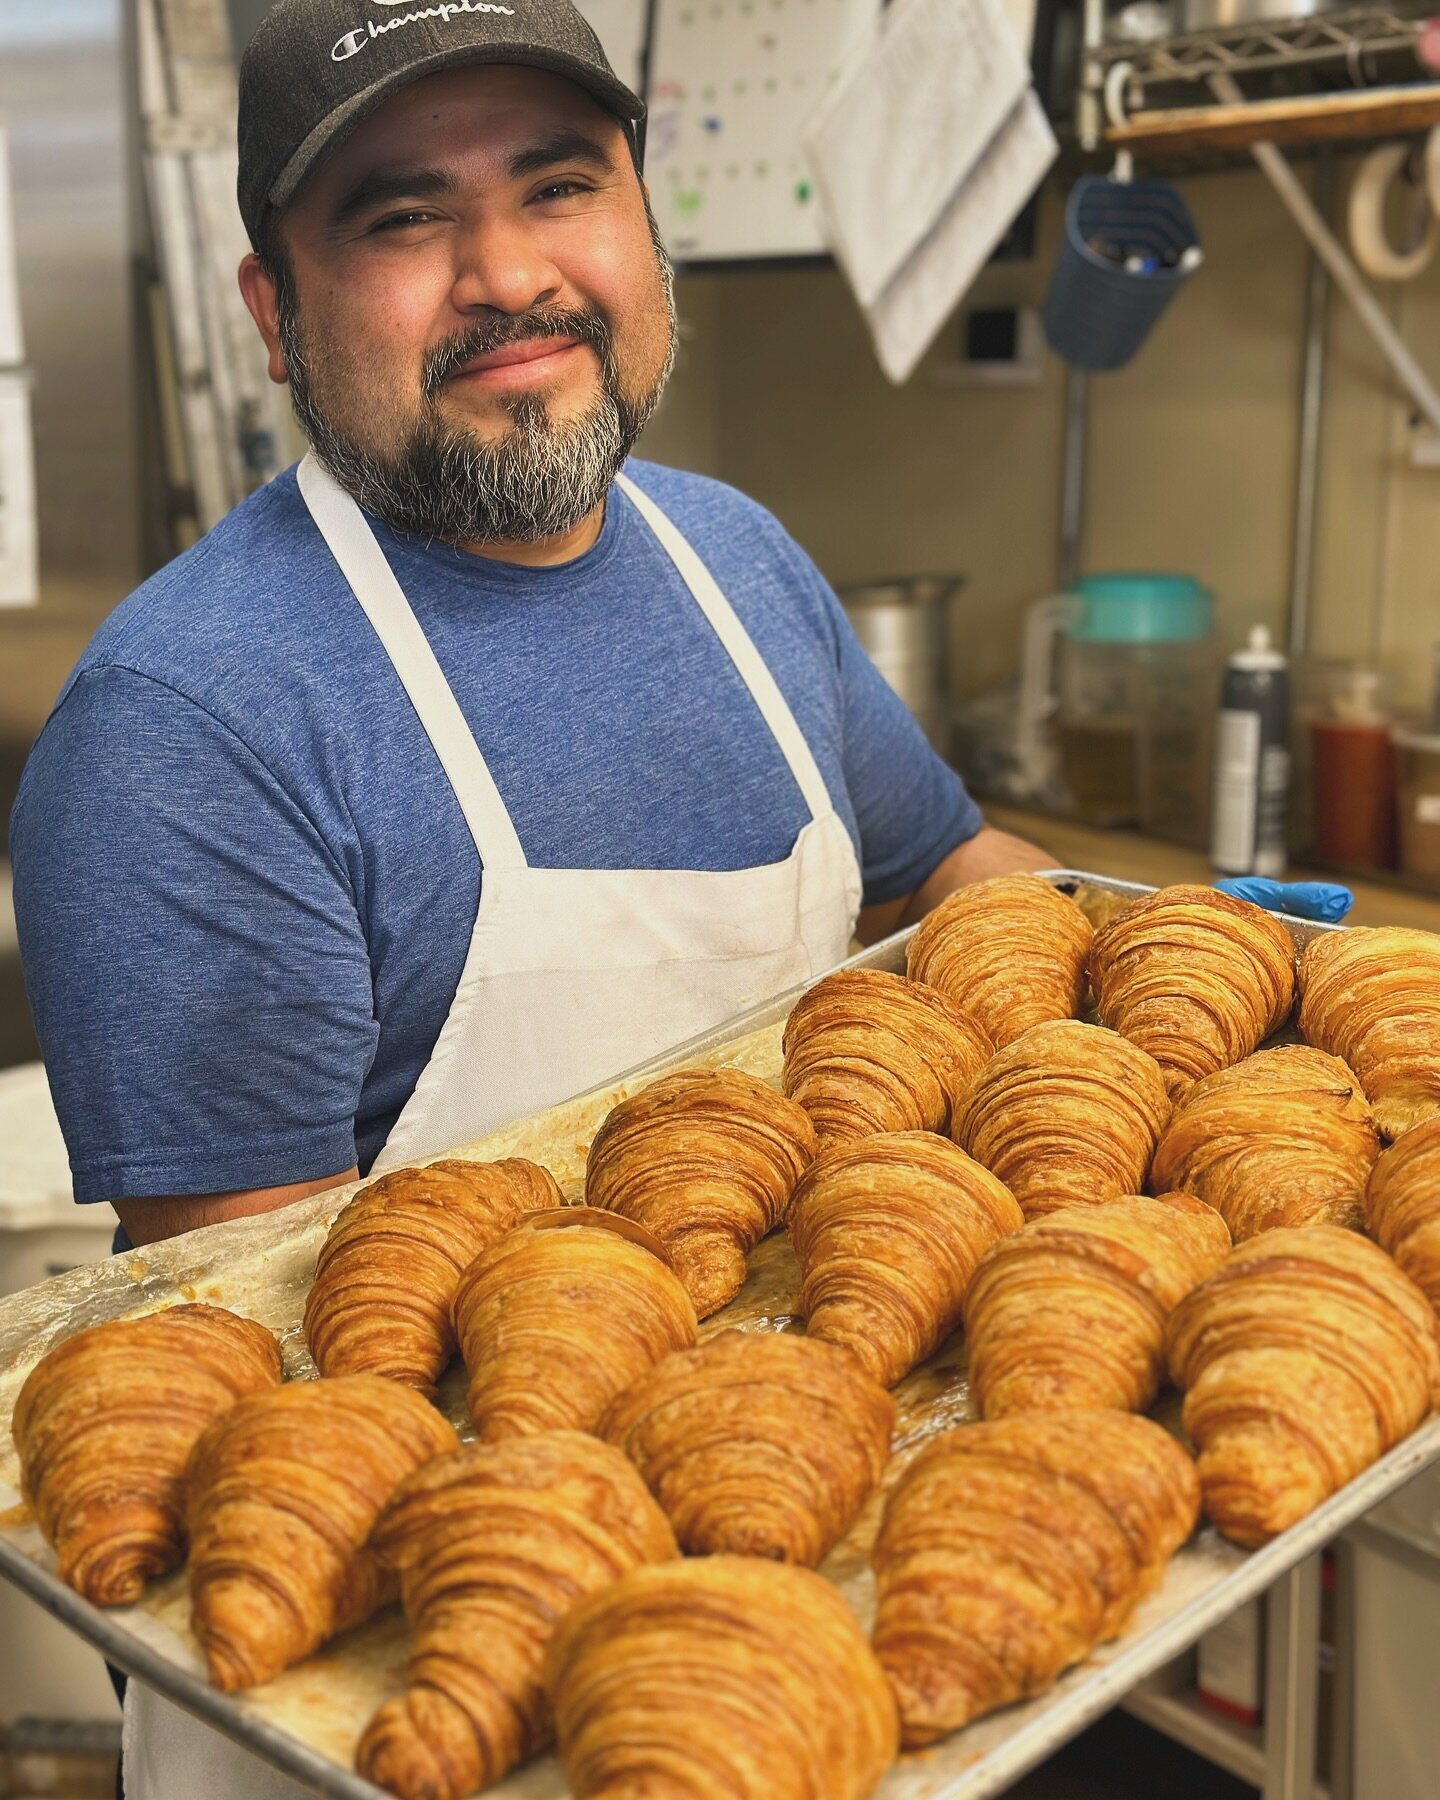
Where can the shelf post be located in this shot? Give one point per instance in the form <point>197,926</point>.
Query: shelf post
<point>1292,1682</point>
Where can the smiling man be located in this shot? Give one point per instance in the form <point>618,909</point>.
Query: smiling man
<point>473,760</point>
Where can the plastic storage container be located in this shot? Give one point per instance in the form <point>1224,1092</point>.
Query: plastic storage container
<point>1352,771</point>
<point>1417,804</point>
<point>1116,701</point>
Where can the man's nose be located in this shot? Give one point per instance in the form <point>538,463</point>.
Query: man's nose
<point>502,266</point>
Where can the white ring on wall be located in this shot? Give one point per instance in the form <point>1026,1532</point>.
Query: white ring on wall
<point>1432,170</point>
<point>1373,250</point>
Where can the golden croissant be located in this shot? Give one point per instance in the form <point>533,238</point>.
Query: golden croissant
<point>759,1443</point>
<point>1283,1138</point>
<point>387,1274</point>
<point>553,1324</point>
<point>888,1233</point>
<point>1402,1205</point>
<point>1069,1314</point>
<point>494,1544</point>
<point>281,1495</point>
<point>1371,996</point>
<point>867,1052</point>
<point>1303,1359</point>
<point>707,1161</point>
<point>1066,1115</point>
<point>1195,977</point>
<point>1008,1551</point>
<point>1009,951</point>
<point>104,1425</point>
<point>726,1676</point>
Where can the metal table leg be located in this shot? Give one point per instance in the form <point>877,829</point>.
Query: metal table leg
<point>1292,1680</point>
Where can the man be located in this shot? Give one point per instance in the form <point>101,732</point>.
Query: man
<point>468,764</point>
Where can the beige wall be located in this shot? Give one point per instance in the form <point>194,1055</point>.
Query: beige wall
<point>1192,448</point>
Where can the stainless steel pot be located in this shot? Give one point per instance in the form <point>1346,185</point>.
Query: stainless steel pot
<point>902,625</point>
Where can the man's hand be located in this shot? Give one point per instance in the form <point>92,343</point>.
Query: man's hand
<point>989,852</point>
<point>167,1216</point>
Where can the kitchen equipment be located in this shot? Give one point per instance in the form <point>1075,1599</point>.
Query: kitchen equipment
<point>1127,248</point>
<point>1417,810</point>
<point>1224,15</point>
<point>1252,761</point>
<point>902,625</point>
<point>1352,771</point>
<point>1114,702</point>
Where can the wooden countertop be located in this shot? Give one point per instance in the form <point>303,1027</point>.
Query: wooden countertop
<point>1127,856</point>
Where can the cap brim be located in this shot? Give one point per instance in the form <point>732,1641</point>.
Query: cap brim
<point>335,127</point>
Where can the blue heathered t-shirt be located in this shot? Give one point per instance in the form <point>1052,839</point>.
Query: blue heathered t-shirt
<point>244,886</point>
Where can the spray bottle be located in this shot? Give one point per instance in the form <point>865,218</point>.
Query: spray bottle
<point>1252,762</point>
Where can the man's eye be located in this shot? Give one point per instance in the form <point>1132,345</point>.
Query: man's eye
<point>398,221</point>
<point>562,190</point>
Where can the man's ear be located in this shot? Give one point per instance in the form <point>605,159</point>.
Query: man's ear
<point>258,292</point>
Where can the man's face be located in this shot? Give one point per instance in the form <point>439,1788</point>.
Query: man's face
<point>475,314</point>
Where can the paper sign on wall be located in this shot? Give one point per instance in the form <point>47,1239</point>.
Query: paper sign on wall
<point>19,546</point>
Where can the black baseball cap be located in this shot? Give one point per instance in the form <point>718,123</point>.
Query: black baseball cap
<point>315,68</point>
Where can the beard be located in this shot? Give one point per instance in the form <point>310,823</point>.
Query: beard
<point>537,479</point>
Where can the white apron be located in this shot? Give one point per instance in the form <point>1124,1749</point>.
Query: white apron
<point>572,975</point>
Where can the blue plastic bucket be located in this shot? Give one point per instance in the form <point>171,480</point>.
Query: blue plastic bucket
<point>1099,312</point>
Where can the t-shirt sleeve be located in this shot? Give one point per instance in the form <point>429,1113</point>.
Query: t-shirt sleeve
<point>192,951</point>
<point>910,806</point>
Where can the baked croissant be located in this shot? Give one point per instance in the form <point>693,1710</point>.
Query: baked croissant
<point>1303,1359</point>
<point>103,1427</point>
<point>553,1324</point>
<point>1009,951</point>
<point>1069,1314</point>
<point>1402,1205</point>
<point>387,1274</point>
<point>1371,996</point>
<point>1283,1138</point>
<point>494,1544</point>
<point>866,1052</point>
<point>726,1676</point>
<point>1195,977</point>
<point>1066,1115</point>
<point>707,1161</point>
<point>760,1443</point>
<point>281,1494</point>
<point>888,1233</point>
<point>1008,1551</point>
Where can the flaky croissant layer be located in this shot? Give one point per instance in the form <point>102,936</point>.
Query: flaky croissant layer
<point>105,1424</point>
<point>1285,1137</point>
<point>706,1160</point>
<point>866,1051</point>
<point>495,1544</point>
<point>281,1496</point>
<point>386,1278</point>
<point>1008,1550</point>
<point>1010,952</point>
<point>553,1324</point>
<point>1306,1356</point>
<point>888,1232</point>
<point>1371,996</point>
<point>757,1443</point>
<point>1195,977</point>
<point>1066,1115</point>
<point>1070,1313</point>
<point>1402,1205</point>
<point>723,1676</point>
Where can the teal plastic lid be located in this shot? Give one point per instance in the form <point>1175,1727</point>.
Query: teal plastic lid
<point>1141,609</point>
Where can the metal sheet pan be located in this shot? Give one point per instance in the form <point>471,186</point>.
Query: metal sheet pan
<point>308,1720</point>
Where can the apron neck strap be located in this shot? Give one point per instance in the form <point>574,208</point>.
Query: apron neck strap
<point>362,562</point>
<point>764,691</point>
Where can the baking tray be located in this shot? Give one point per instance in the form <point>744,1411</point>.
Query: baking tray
<point>308,1720</point>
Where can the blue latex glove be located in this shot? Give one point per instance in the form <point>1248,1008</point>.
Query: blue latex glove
<point>1325,901</point>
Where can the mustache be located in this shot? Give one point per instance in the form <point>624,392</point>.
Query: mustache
<point>485,336</point>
